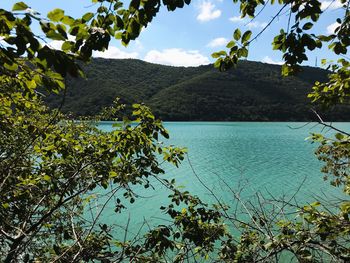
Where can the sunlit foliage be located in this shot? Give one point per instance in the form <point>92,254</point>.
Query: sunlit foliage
<point>49,164</point>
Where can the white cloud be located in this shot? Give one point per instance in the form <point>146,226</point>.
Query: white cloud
<point>331,28</point>
<point>246,22</point>
<point>269,60</point>
<point>114,52</point>
<point>55,44</point>
<point>138,45</point>
<point>236,19</point>
<point>330,5</point>
<point>176,57</point>
<point>256,24</point>
<point>217,42</point>
<point>207,11</point>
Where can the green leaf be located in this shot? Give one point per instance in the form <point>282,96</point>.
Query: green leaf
<point>12,67</point>
<point>339,48</point>
<point>308,26</point>
<point>117,5</point>
<point>68,20</point>
<point>62,30</point>
<point>326,38</point>
<point>237,34</point>
<point>47,178</point>
<point>217,63</point>
<point>246,36</point>
<point>315,204</point>
<point>118,35</point>
<point>242,52</point>
<point>231,44</point>
<point>134,29</point>
<point>54,35</point>
<point>19,6</point>
<point>56,15</point>
<point>88,16</point>
<point>339,136</point>
<point>134,5</point>
<point>285,70</point>
<point>67,45</point>
<point>219,54</point>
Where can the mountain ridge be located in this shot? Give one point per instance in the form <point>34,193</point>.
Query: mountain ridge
<point>254,91</point>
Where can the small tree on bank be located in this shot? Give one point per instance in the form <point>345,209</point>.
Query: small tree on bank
<point>49,165</point>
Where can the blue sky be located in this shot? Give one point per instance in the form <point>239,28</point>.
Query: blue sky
<point>188,36</point>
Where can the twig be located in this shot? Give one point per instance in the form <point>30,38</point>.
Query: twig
<point>328,125</point>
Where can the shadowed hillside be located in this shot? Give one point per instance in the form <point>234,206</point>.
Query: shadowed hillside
<point>253,91</point>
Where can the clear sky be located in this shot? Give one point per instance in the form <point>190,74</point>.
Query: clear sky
<point>189,36</point>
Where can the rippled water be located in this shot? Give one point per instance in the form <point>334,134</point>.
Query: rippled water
<point>265,157</point>
<point>275,156</point>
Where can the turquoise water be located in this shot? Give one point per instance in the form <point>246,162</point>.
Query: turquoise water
<point>265,157</point>
<point>273,156</point>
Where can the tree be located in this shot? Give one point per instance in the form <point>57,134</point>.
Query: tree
<point>49,164</point>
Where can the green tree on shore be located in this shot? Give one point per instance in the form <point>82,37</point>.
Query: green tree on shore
<point>49,165</point>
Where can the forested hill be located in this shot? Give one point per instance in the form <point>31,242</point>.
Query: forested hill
<point>253,91</point>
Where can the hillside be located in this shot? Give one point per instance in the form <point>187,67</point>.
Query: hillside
<point>253,91</point>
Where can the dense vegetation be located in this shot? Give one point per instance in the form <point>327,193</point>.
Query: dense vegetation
<point>254,91</point>
<point>51,166</point>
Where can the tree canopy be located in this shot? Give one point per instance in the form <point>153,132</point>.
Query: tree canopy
<point>254,91</point>
<point>49,164</point>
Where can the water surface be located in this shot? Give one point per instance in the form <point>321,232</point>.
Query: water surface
<point>272,158</point>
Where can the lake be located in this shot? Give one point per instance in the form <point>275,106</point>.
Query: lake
<point>271,158</point>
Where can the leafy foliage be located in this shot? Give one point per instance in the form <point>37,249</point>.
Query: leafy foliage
<point>49,164</point>
<point>49,174</point>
